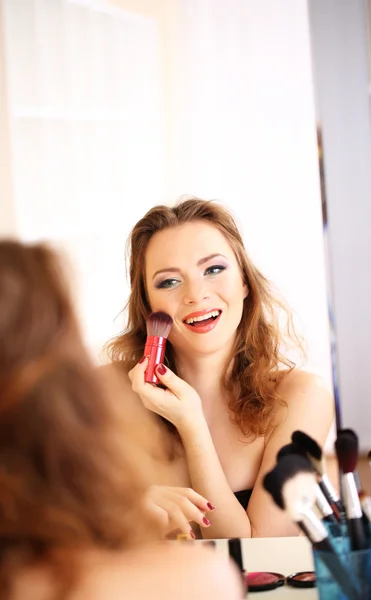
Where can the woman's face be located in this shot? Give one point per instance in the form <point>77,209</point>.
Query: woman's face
<point>192,274</point>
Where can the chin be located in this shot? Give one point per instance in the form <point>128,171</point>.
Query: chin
<point>204,347</point>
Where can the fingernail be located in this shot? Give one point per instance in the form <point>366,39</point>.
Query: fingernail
<point>206,521</point>
<point>161,369</point>
<point>191,533</point>
<point>142,360</point>
<point>210,506</point>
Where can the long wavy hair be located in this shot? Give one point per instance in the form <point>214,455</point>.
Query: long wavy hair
<point>67,480</point>
<point>257,361</point>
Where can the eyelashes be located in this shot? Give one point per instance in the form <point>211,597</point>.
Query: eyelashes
<point>172,282</point>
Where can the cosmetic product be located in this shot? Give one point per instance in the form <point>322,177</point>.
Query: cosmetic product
<point>158,328</point>
<point>262,581</point>
<point>235,552</point>
<point>292,485</point>
<point>303,579</point>
<point>365,501</point>
<point>346,446</point>
<point>314,453</point>
<point>322,503</point>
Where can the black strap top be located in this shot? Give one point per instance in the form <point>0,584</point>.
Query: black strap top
<point>243,497</point>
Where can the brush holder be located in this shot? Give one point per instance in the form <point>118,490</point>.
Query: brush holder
<point>355,567</point>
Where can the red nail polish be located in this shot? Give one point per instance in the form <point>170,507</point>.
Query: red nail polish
<point>142,360</point>
<point>206,521</point>
<point>161,369</point>
<point>210,506</point>
<point>191,533</point>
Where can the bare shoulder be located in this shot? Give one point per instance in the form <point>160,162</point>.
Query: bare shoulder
<point>308,404</point>
<point>160,571</point>
<point>164,571</point>
<point>297,385</point>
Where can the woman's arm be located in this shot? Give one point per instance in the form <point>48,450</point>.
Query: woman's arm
<point>310,408</point>
<point>180,404</point>
<point>208,478</point>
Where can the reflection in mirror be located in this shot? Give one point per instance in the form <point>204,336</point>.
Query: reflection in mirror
<point>114,107</point>
<point>342,74</point>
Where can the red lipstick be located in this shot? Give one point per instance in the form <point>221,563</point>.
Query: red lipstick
<point>203,326</point>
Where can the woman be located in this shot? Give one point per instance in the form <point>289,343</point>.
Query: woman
<point>232,398</point>
<point>75,518</point>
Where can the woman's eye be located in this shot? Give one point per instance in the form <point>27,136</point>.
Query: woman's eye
<point>167,283</point>
<point>215,269</point>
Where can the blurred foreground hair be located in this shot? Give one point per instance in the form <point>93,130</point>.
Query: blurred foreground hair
<point>67,478</point>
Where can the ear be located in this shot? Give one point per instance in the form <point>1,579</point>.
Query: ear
<point>245,291</point>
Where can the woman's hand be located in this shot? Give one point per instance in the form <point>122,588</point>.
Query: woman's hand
<point>175,507</point>
<point>179,403</point>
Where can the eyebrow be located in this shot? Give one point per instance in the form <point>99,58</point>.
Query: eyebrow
<point>200,262</point>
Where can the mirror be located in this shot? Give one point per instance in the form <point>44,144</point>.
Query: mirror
<point>111,107</point>
<point>342,74</point>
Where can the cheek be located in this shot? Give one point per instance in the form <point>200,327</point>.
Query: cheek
<point>160,301</point>
<point>232,289</point>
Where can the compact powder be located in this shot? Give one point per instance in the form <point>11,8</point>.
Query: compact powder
<point>304,579</point>
<point>261,581</point>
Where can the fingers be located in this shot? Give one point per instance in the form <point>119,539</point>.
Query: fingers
<point>202,503</point>
<point>174,383</point>
<point>138,371</point>
<point>182,505</point>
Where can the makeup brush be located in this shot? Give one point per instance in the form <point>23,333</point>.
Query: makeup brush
<point>292,485</point>
<point>369,458</point>
<point>355,472</point>
<point>346,446</point>
<point>314,453</point>
<point>321,500</point>
<point>158,329</point>
<point>235,552</point>
<point>365,501</point>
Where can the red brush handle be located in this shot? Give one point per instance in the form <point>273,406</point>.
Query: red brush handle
<point>155,351</point>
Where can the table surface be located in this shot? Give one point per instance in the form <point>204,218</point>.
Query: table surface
<point>279,555</point>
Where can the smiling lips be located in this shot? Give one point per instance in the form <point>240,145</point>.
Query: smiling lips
<point>202,321</point>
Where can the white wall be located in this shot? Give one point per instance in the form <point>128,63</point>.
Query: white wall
<point>244,132</point>
<point>230,85</point>
<point>342,60</point>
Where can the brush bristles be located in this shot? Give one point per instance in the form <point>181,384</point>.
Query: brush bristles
<point>308,444</point>
<point>290,449</point>
<point>288,468</point>
<point>347,431</point>
<point>159,324</point>
<point>272,485</point>
<point>346,446</point>
<point>299,494</point>
<point>369,456</point>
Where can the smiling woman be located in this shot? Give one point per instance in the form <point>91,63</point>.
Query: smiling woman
<point>229,397</point>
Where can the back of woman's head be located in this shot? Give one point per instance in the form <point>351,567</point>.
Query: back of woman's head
<point>65,475</point>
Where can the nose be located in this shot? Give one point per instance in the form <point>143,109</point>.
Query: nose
<point>195,292</point>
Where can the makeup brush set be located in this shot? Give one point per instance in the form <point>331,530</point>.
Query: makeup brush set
<point>339,529</point>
